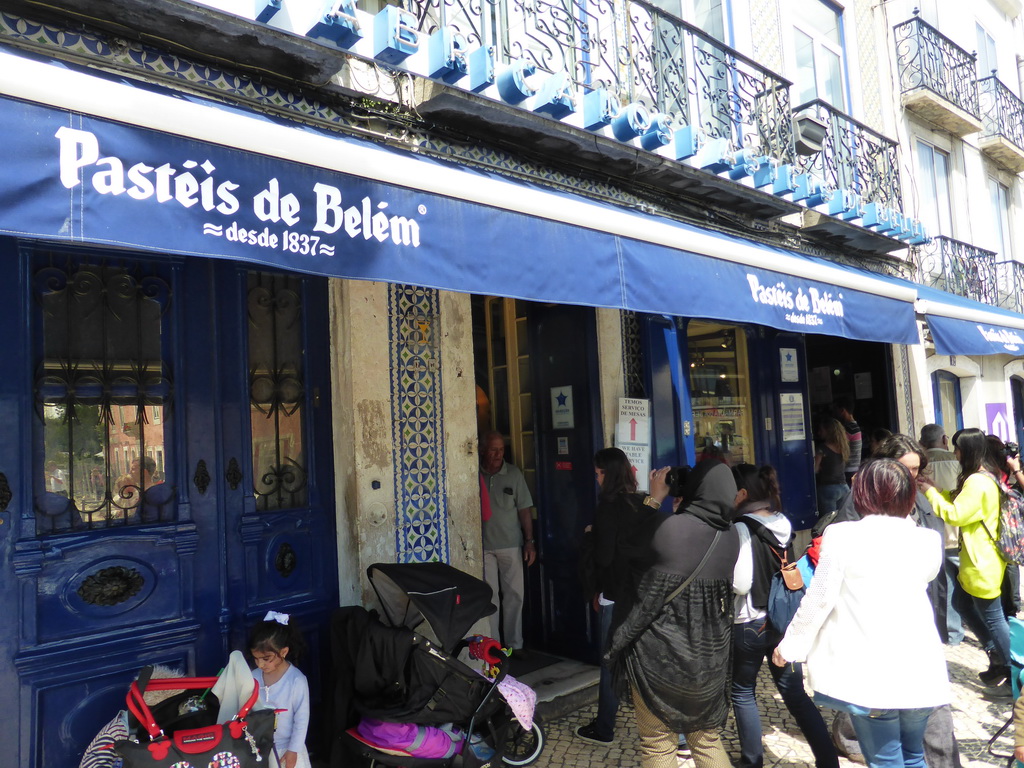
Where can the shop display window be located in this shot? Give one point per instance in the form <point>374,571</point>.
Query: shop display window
<point>720,392</point>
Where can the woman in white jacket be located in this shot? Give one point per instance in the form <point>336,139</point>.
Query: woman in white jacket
<point>865,626</point>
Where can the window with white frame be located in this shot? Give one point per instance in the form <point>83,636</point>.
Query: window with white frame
<point>933,173</point>
<point>709,15</point>
<point>929,11</point>
<point>986,52</point>
<point>948,401</point>
<point>818,52</point>
<point>999,202</point>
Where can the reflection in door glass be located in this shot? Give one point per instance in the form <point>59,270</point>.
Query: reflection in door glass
<point>102,392</point>
<point>720,393</point>
<point>276,390</point>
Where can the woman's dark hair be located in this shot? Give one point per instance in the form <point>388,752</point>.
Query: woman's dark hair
<point>879,434</point>
<point>619,476</point>
<point>761,484</point>
<point>972,445</point>
<point>883,487</point>
<point>997,452</point>
<point>271,636</point>
<point>898,446</point>
<point>833,431</point>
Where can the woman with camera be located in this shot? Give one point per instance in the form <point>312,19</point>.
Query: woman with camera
<point>866,627</point>
<point>765,536</point>
<point>621,536</point>
<point>975,509</point>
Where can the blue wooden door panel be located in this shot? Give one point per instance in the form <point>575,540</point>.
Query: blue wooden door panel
<point>63,702</point>
<point>566,489</point>
<point>108,584</point>
<point>91,607</point>
<point>667,384</point>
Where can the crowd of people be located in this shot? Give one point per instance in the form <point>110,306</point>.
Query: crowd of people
<point>903,556</point>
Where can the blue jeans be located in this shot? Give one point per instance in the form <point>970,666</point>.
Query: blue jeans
<point>752,643</point>
<point>994,619</point>
<point>607,701</point>
<point>954,623</point>
<point>830,495</point>
<point>891,738</point>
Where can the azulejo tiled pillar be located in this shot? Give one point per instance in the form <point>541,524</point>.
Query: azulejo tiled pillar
<point>421,510</point>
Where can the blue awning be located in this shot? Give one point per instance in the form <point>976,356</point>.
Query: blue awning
<point>97,159</point>
<point>960,326</point>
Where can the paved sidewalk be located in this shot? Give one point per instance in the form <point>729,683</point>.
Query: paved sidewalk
<point>975,718</point>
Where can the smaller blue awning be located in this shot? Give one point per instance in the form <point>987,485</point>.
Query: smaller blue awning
<point>961,326</point>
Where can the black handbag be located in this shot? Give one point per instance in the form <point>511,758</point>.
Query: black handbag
<point>245,741</point>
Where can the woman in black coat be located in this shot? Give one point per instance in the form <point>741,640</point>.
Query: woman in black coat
<point>621,538</point>
<point>674,649</point>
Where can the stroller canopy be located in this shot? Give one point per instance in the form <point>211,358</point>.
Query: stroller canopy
<point>450,600</point>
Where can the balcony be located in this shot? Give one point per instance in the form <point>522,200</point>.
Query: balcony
<point>937,78</point>
<point>1011,285</point>
<point>853,157</point>
<point>1002,137</point>
<point>639,54</point>
<point>672,67</point>
<point>960,268</point>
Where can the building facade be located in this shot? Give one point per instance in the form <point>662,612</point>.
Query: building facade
<point>273,266</point>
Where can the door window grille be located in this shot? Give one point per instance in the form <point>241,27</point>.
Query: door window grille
<point>277,390</point>
<point>102,394</point>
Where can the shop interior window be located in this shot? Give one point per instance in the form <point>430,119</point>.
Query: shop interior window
<point>720,392</point>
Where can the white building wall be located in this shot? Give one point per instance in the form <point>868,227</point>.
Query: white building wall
<point>983,380</point>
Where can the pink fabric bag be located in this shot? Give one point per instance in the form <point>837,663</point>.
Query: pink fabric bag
<point>417,740</point>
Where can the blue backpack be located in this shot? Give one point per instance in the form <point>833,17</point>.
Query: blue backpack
<point>784,595</point>
<point>786,588</point>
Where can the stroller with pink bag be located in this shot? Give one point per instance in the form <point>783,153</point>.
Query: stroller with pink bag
<point>402,699</point>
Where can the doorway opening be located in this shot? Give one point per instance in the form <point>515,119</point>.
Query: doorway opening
<point>861,370</point>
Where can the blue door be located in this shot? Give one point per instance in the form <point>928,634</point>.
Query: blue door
<point>563,343</point>
<point>169,478</point>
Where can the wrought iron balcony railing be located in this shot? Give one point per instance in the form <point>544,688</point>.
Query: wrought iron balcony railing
<point>676,68</point>
<point>639,53</point>
<point>928,59</point>
<point>1002,111</point>
<point>959,268</point>
<point>854,157</point>
<point>1010,275</point>
<point>645,55</point>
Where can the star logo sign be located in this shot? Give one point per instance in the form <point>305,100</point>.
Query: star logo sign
<point>561,397</point>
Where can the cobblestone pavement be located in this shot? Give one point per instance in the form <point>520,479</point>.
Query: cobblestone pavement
<point>975,717</point>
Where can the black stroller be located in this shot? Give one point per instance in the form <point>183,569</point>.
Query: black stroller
<point>387,671</point>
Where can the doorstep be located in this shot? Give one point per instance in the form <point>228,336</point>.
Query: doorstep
<point>563,686</point>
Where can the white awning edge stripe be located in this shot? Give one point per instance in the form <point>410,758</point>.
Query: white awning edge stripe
<point>925,307</point>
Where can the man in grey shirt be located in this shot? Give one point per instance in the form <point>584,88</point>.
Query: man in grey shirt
<point>508,537</point>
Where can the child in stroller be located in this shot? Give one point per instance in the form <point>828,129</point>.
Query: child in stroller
<point>387,673</point>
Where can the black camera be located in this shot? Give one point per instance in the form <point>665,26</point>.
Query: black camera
<point>676,479</point>
<point>1012,449</point>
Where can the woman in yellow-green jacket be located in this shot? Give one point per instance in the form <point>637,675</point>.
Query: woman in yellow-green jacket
<point>975,509</point>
